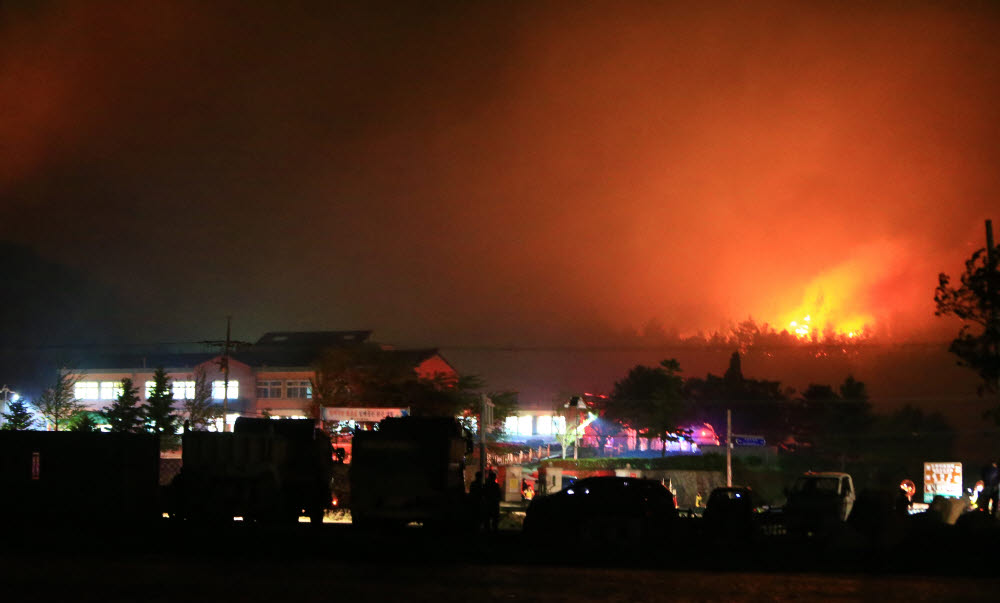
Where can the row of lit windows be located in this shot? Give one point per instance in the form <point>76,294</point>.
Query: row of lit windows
<point>292,389</point>
<point>528,425</point>
<point>97,390</point>
<point>182,390</point>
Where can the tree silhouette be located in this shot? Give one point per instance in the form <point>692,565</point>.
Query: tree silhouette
<point>908,436</point>
<point>58,404</point>
<point>837,422</point>
<point>976,302</point>
<point>649,400</point>
<point>159,415</point>
<point>758,406</point>
<point>201,409</point>
<point>18,417</point>
<point>83,422</point>
<point>125,415</point>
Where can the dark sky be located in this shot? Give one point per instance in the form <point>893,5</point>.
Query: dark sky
<point>486,173</point>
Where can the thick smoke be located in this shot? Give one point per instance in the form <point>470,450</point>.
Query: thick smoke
<point>488,174</point>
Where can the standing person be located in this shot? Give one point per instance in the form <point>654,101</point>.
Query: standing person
<point>491,496</point>
<point>991,488</point>
<point>475,501</point>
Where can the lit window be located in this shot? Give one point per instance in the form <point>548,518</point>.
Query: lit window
<point>269,389</point>
<point>183,390</point>
<point>524,426</point>
<point>177,392</point>
<point>545,425</point>
<point>219,390</point>
<point>86,390</point>
<point>558,425</point>
<point>110,390</point>
<point>510,425</point>
<point>298,389</point>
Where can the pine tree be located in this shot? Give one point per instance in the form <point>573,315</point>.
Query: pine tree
<point>125,415</point>
<point>158,411</point>
<point>18,417</point>
<point>58,404</point>
<point>201,409</point>
<point>83,422</point>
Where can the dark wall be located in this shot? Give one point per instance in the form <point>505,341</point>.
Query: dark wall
<point>64,478</point>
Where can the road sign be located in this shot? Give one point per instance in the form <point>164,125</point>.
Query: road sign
<point>942,479</point>
<point>749,440</point>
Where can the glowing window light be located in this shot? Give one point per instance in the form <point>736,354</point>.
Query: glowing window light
<point>524,426</point>
<point>111,390</point>
<point>545,425</point>
<point>510,425</point>
<point>219,390</point>
<point>183,390</point>
<point>86,390</point>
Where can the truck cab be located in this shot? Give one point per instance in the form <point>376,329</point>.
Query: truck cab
<point>818,499</point>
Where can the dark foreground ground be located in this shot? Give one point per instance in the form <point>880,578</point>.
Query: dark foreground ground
<point>173,561</point>
<point>153,578</point>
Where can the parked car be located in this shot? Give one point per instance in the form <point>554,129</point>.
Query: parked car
<point>730,513</point>
<point>604,510</point>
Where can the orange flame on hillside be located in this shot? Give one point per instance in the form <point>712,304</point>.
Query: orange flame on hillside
<point>838,303</point>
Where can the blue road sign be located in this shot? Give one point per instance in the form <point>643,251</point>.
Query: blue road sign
<point>745,440</point>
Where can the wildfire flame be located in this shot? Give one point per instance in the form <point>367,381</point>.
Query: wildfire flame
<point>855,328</point>
<point>835,305</point>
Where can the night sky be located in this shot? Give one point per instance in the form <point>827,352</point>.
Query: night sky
<point>496,173</point>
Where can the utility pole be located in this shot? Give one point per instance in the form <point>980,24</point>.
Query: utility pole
<point>227,346</point>
<point>990,257</point>
<point>729,448</point>
<point>991,267</point>
<point>992,321</point>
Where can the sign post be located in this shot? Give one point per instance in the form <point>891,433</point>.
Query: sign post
<point>729,448</point>
<point>750,440</point>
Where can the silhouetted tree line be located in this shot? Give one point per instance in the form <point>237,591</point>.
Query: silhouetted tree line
<point>744,335</point>
<point>60,409</point>
<point>368,376</point>
<point>829,426</point>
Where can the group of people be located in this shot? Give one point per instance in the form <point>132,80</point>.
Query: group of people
<point>484,501</point>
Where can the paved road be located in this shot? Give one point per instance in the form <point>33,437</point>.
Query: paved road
<point>336,563</point>
<point>155,578</point>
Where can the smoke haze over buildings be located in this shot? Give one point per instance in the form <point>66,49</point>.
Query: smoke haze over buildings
<point>493,174</point>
